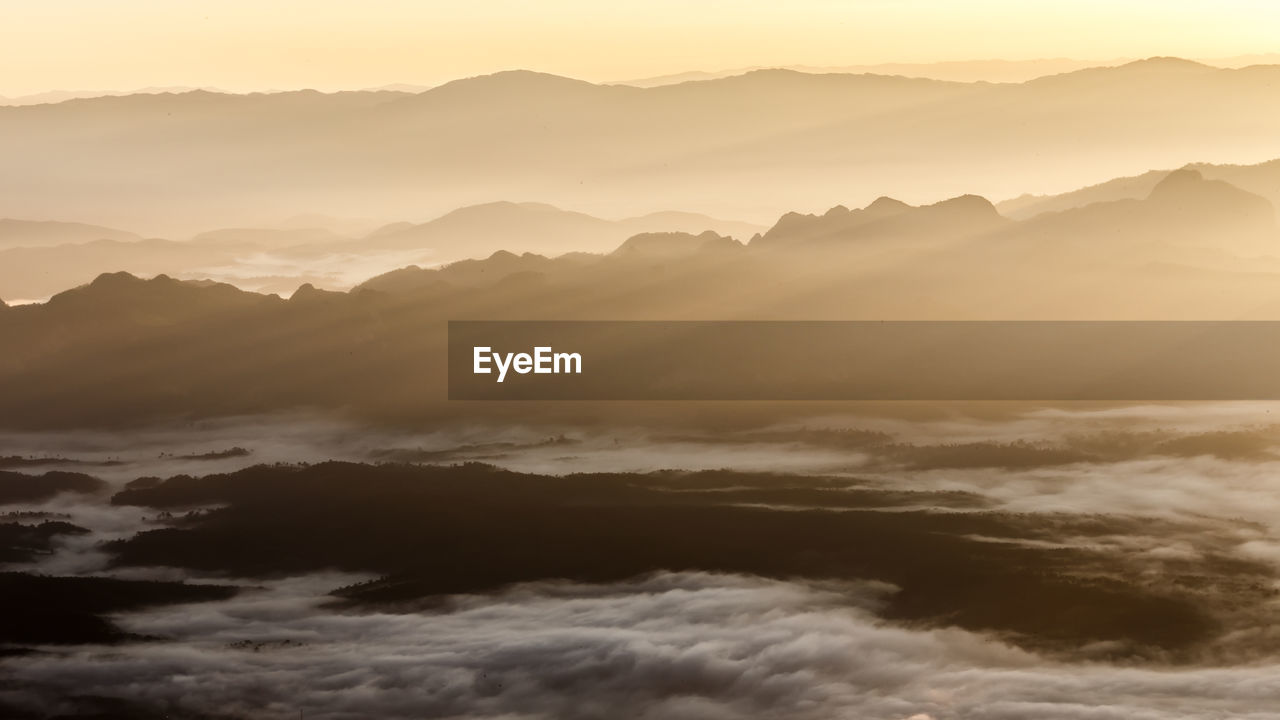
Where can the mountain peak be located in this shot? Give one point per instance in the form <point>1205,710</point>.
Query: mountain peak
<point>1178,180</point>
<point>974,204</point>
<point>1154,67</point>
<point>885,204</point>
<point>308,293</point>
<point>1166,62</point>
<point>887,219</point>
<point>515,82</point>
<point>116,280</point>
<point>120,294</point>
<point>671,244</point>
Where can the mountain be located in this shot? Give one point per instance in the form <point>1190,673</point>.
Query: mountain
<point>121,299</point>
<point>46,233</point>
<point>124,349</point>
<point>278,260</point>
<point>532,227</point>
<point>751,146</point>
<point>671,245</point>
<point>887,221</point>
<point>1262,179</point>
<point>1185,219</point>
<point>992,71</point>
<point>57,96</point>
<point>34,273</point>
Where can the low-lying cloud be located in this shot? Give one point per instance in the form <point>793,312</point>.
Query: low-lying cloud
<point>674,646</point>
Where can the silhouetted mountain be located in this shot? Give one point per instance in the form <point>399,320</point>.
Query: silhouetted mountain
<point>21,488</point>
<point>41,610</point>
<point>887,221</point>
<point>117,306</point>
<point>476,528</point>
<point>279,259</point>
<point>675,245</point>
<point>123,349</point>
<point>308,293</point>
<point>24,543</point>
<point>39,272</point>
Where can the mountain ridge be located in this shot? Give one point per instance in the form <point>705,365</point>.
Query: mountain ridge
<point>749,147</point>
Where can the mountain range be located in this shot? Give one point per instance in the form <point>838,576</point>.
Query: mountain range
<point>1262,179</point>
<point>40,259</point>
<point>127,349</point>
<point>750,146</point>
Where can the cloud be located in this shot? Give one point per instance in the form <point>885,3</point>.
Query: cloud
<point>685,646</point>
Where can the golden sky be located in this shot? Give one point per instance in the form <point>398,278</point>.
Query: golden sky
<point>328,44</point>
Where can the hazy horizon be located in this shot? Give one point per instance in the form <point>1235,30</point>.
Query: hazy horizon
<point>963,70</point>
<point>243,45</point>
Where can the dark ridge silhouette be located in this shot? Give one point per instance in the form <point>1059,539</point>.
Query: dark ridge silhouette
<point>42,610</point>
<point>675,245</point>
<point>121,296</point>
<point>21,488</point>
<point>472,528</point>
<point>38,272</point>
<point>30,461</point>
<point>24,543</point>
<point>308,294</point>
<point>234,452</point>
<point>889,221</point>
<point>268,258</point>
<point>126,350</point>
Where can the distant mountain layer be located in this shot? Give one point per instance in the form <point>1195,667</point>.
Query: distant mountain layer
<point>1262,179</point>
<point>750,146</point>
<point>533,227</point>
<point>122,349</point>
<point>995,71</point>
<point>34,233</point>
<point>281,259</point>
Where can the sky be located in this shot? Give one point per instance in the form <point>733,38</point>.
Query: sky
<point>244,45</point>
